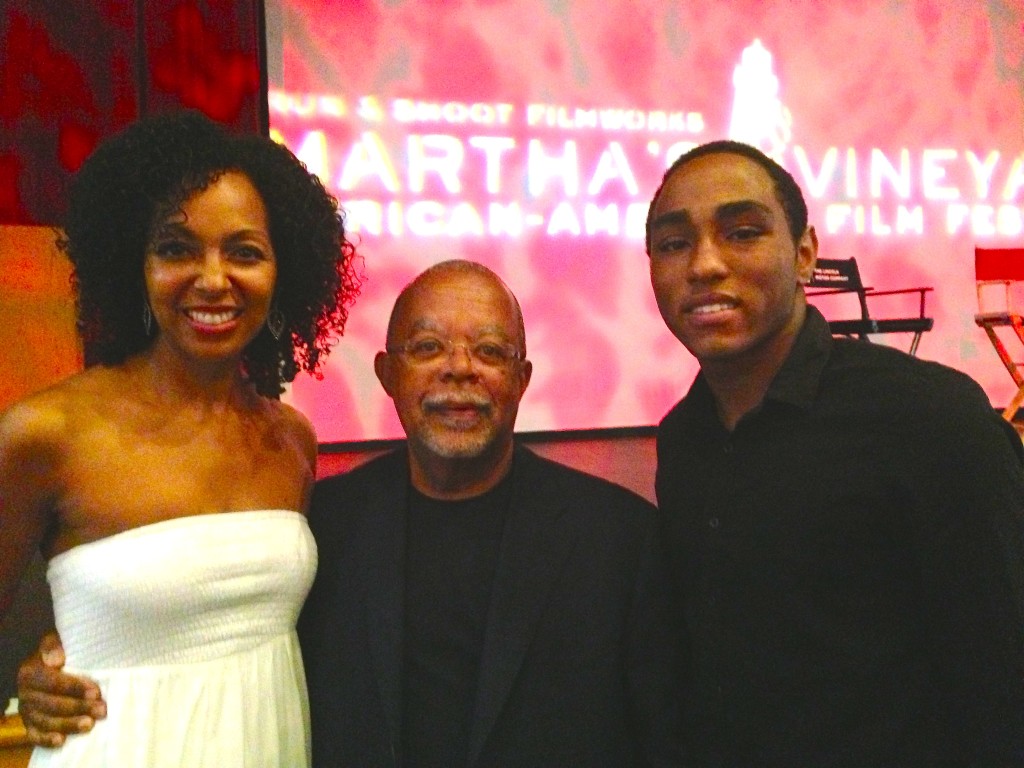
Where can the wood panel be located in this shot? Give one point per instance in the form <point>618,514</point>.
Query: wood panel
<point>14,748</point>
<point>38,343</point>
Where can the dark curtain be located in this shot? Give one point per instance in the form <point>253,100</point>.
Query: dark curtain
<point>75,71</point>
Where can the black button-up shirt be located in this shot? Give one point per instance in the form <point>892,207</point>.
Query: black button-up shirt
<point>851,563</point>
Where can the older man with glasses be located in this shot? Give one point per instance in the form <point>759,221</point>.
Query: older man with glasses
<point>476,604</point>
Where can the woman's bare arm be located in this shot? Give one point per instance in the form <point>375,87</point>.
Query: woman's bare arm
<point>31,440</point>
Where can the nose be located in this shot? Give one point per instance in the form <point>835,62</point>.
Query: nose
<point>459,361</point>
<point>706,261</point>
<point>213,274</point>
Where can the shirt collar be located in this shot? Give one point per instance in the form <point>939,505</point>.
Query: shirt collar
<point>798,379</point>
<point>796,382</point>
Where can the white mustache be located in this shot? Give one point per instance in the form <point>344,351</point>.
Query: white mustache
<point>440,402</point>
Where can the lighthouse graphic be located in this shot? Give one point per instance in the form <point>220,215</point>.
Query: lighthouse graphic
<point>759,117</point>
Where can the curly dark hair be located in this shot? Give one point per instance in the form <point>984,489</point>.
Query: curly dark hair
<point>138,177</point>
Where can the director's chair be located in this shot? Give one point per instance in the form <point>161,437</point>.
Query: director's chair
<point>1002,268</point>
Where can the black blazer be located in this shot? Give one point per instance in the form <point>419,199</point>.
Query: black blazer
<point>576,668</point>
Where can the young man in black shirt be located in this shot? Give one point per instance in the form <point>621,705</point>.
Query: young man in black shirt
<point>843,520</point>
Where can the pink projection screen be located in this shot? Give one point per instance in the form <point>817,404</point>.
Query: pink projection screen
<point>530,134</point>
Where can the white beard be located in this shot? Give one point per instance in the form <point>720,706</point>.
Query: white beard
<point>451,444</point>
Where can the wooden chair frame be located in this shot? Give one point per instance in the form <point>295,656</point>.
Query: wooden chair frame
<point>1005,267</point>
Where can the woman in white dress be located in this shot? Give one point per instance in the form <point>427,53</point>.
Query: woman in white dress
<point>166,483</point>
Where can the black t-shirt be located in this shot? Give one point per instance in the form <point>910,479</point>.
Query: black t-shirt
<point>451,556</point>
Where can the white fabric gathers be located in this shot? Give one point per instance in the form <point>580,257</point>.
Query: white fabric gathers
<point>188,627</point>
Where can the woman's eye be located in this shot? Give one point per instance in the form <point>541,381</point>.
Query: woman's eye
<point>171,249</point>
<point>249,253</point>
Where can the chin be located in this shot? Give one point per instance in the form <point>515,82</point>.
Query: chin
<point>714,348</point>
<point>459,445</point>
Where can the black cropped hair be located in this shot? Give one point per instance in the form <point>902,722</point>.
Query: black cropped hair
<point>786,189</point>
<point>138,177</point>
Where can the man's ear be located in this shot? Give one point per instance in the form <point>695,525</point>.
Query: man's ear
<point>806,255</point>
<point>525,372</point>
<point>384,367</point>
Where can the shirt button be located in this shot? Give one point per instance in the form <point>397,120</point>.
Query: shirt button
<point>713,522</point>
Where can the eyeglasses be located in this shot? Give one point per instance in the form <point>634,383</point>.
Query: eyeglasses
<point>492,354</point>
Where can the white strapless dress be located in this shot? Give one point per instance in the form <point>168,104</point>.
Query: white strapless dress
<point>188,626</point>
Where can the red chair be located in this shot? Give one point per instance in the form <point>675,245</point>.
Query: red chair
<point>1002,269</point>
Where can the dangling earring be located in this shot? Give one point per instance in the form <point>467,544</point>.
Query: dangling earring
<point>147,317</point>
<point>275,323</point>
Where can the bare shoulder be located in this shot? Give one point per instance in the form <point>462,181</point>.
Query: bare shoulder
<point>35,442</point>
<point>36,425</point>
<point>39,436</point>
<point>296,426</point>
<point>52,418</point>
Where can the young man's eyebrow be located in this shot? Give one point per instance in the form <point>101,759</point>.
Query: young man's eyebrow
<point>671,218</point>
<point>724,211</point>
<point>740,207</point>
